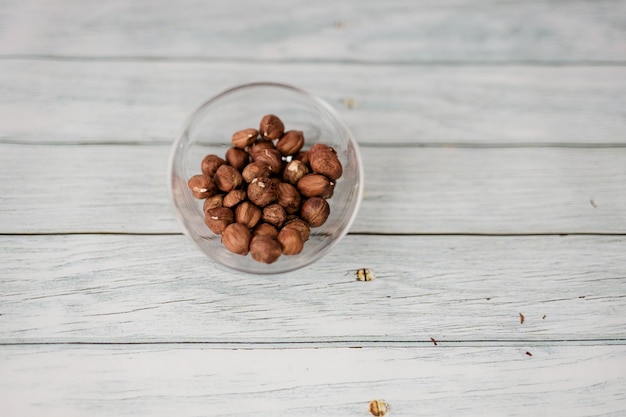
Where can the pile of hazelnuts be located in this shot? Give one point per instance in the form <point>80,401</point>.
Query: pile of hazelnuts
<point>267,193</point>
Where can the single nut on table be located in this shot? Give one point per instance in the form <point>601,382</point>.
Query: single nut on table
<point>245,137</point>
<point>254,170</point>
<point>323,160</point>
<point>210,164</point>
<point>316,185</point>
<point>315,211</point>
<point>288,197</point>
<point>301,226</point>
<point>274,214</point>
<point>290,241</point>
<point>364,274</point>
<point>236,238</point>
<point>247,214</point>
<point>265,249</point>
<point>237,158</point>
<point>262,191</point>
<point>294,171</point>
<point>227,178</point>
<point>233,198</point>
<point>291,142</point>
<point>271,127</point>
<point>212,202</point>
<point>201,186</point>
<point>265,229</point>
<point>269,157</point>
<point>218,218</point>
<point>378,408</point>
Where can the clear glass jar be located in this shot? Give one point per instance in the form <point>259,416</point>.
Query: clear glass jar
<point>209,131</point>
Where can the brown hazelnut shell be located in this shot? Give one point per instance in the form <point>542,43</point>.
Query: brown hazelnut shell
<point>315,211</point>
<point>316,185</point>
<point>265,249</point>
<point>274,214</point>
<point>291,241</point>
<point>271,127</point>
<point>323,160</point>
<point>201,186</point>
<point>210,164</point>
<point>291,142</point>
<point>227,178</point>
<point>262,191</point>
<point>237,158</point>
<point>233,198</point>
<point>218,218</point>
<point>245,137</point>
<point>288,197</point>
<point>236,238</point>
<point>248,214</point>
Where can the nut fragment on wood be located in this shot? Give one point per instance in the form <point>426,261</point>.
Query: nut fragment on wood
<point>364,274</point>
<point>378,407</point>
<point>432,339</point>
<point>521,318</point>
<point>529,354</point>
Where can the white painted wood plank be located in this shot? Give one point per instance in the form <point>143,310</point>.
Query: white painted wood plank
<point>98,288</point>
<point>398,30</point>
<point>148,102</point>
<point>189,381</point>
<point>54,189</point>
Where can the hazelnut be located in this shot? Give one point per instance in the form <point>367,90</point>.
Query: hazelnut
<point>211,163</point>
<point>315,211</point>
<point>288,197</point>
<point>254,170</point>
<point>237,158</point>
<point>233,198</point>
<point>302,156</point>
<point>201,186</point>
<point>236,238</point>
<point>212,202</point>
<point>274,214</point>
<point>227,178</point>
<point>265,249</point>
<point>295,170</point>
<point>247,214</point>
<point>271,127</point>
<point>291,142</point>
<point>378,408</point>
<point>269,157</point>
<point>290,241</point>
<point>243,138</point>
<point>218,218</point>
<point>301,226</point>
<point>262,192</point>
<point>364,274</point>
<point>323,160</point>
<point>265,229</point>
<point>316,185</point>
<point>261,144</point>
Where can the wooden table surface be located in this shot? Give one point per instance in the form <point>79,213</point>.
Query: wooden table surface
<point>493,135</point>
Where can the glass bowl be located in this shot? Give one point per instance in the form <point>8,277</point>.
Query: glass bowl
<point>209,131</point>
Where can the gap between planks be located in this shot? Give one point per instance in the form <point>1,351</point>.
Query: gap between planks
<point>332,344</point>
<point>314,61</point>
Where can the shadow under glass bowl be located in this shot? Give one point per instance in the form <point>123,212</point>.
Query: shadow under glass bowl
<point>209,131</point>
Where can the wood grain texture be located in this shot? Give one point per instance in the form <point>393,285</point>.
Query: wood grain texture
<point>189,381</point>
<point>68,189</point>
<point>101,289</point>
<point>148,102</point>
<point>399,30</point>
